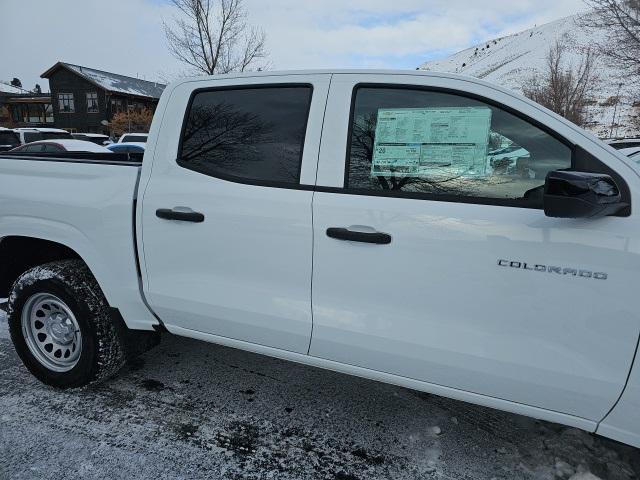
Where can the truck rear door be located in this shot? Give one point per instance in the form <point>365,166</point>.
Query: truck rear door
<point>226,214</point>
<point>433,258</point>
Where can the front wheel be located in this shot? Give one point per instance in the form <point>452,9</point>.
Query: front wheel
<point>61,325</point>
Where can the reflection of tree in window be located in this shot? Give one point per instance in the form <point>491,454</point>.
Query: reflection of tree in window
<point>362,141</point>
<point>213,132</point>
<point>519,154</point>
<point>250,133</point>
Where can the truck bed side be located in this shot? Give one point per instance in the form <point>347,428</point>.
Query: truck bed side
<point>85,204</point>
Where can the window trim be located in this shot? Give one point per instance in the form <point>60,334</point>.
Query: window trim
<point>72,98</point>
<point>97,99</point>
<point>503,202</point>
<point>234,178</point>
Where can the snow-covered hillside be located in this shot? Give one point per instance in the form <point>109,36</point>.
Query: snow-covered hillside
<point>510,61</point>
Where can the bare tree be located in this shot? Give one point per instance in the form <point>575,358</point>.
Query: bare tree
<point>621,18</point>
<point>212,36</point>
<point>561,88</point>
<point>635,118</point>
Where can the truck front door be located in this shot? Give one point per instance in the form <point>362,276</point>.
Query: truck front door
<point>434,260</point>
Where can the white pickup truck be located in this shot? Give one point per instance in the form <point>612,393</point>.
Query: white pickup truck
<point>426,230</point>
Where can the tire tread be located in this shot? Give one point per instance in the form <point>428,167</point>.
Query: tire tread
<point>110,340</point>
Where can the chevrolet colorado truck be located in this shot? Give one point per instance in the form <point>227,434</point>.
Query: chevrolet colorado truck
<point>422,229</point>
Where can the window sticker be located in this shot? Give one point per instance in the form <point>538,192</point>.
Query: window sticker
<point>431,141</point>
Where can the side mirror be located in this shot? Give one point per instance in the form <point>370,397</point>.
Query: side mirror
<point>569,194</point>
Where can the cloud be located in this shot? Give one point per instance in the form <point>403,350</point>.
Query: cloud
<point>123,36</point>
<point>126,36</point>
<point>334,32</point>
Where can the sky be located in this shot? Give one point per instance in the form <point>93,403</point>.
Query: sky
<point>127,37</point>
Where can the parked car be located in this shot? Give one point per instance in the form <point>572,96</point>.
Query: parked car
<point>133,137</point>
<point>28,135</point>
<point>97,138</point>
<point>127,147</point>
<point>61,145</point>
<point>8,139</point>
<point>510,288</point>
<point>624,143</point>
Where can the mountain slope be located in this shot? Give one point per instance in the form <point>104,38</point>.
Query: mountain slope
<point>512,60</point>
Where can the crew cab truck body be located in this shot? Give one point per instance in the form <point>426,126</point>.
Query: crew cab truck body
<point>355,221</point>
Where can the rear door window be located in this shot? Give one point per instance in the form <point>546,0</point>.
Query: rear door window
<point>247,134</point>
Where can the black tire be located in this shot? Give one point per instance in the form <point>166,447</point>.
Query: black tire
<point>104,342</point>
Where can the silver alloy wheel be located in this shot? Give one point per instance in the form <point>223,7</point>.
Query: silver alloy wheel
<point>51,332</point>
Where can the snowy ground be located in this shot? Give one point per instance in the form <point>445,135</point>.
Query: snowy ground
<point>193,410</point>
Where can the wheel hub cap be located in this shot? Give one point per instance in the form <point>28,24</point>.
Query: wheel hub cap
<point>51,332</point>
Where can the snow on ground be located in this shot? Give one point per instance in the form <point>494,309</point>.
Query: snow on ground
<point>510,61</point>
<point>193,410</point>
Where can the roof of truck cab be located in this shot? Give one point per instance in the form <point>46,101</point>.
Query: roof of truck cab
<point>338,71</point>
<point>328,71</point>
<point>363,72</point>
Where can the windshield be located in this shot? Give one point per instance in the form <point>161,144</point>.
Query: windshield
<point>621,145</point>
<point>135,138</point>
<point>54,135</point>
<point>35,136</point>
<point>9,138</point>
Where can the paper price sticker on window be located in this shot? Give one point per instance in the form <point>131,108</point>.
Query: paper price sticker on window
<point>428,141</point>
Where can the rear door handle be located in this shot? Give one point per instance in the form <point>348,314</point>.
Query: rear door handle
<point>180,215</point>
<point>379,238</point>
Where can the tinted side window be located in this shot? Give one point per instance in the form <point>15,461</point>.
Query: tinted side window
<point>32,137</point>
<point>444,144</point>
<point>32,148</point>
<point>9,138</point>
<point>250,133</point>
<point>48,148</point>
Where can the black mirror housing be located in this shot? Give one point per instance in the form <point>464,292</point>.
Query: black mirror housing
<point>570,194</point>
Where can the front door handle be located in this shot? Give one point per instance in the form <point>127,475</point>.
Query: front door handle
<point>181,215</point>
<point>379,238</point>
